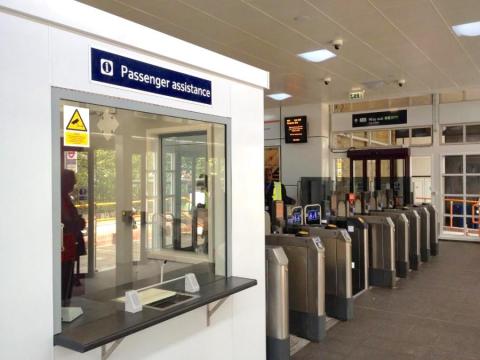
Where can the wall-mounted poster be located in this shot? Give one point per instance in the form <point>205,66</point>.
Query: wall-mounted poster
<point>272,160</point>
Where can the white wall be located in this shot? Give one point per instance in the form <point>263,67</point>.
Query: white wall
<point>463,112</point>
<point>38,55</point>
<point>300,160</point>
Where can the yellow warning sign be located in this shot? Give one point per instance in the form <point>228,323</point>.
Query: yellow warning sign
<point>76,122</point>
<point>76,126</point>
<point>76,138</point>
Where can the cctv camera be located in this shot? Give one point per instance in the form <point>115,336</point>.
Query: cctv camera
<point>337,43</point>
<point>401,82</point>
<point>327,80</point>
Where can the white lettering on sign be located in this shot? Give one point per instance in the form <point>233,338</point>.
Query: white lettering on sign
<point>162,83</point>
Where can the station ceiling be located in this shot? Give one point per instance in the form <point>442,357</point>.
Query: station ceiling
<point>384,41</point>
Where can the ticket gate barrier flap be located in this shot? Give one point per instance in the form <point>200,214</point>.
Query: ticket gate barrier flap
<point>381,250</point>
<point>306,278</point>
<point>357,228</point>
<point>338,274</point>
<point>434,227</point>
<point>415,226</point>
<point>268,224</point>
<point>278,336</point>
<point>402,240</point>
<point>424,231</point>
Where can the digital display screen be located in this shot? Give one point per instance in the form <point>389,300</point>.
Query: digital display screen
<point>296,129</point>
<point>297,218</point>
<point>313,216</point>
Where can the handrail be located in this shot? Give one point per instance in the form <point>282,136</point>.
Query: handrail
<point>475,204</point>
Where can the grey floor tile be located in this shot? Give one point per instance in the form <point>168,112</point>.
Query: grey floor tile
<point>432,315</point>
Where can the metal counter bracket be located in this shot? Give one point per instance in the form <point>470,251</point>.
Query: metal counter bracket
<point>211,311</point>
<point>107,352</point>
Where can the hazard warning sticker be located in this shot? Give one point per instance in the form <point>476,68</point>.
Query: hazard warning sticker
<point>76,126</point>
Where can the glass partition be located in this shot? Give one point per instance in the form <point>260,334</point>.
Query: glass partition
<point>148,201</point>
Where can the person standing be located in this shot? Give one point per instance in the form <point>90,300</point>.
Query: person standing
<point>275,191</point>
<point>73,244</point>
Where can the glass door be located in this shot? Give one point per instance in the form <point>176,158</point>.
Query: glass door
<point>184,188</point>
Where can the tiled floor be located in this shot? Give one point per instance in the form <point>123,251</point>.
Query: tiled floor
<point>432,315</point>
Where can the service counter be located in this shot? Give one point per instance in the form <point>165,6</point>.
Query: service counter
<point>106,322</point>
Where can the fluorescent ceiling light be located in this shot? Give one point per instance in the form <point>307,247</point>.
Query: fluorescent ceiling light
<point>279,96</point>
<point>470,29</point>
<point>317,55</point>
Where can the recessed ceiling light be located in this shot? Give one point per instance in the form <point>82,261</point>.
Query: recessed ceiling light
<point>279,96</point>
<point>317,55</point>
<point>470,29</point>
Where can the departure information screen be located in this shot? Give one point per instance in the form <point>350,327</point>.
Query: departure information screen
<point>296,129</point>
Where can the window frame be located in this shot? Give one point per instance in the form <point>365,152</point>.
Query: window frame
<point>60,94</point>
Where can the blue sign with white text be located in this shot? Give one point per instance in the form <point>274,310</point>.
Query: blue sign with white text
<point>133,74</point>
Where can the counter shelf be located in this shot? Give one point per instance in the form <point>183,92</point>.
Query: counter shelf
<point>103,323</point>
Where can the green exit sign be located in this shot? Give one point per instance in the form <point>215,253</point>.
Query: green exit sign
<point>357,95</point>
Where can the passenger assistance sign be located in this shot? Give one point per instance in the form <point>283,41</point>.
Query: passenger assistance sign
<point>76,126</point>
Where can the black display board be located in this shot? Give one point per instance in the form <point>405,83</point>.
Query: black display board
<point>296,129</point>
<point>380,118</point>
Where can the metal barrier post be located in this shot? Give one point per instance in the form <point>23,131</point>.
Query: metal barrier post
<point>278,337</point>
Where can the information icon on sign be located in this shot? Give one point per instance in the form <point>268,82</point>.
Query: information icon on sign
<point>106,67</point>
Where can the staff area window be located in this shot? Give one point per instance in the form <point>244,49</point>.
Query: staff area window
<point>151,190</point>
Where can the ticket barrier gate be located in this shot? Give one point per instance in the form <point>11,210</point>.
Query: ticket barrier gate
<point>357,228</point>
<point>402,240</point>
<point>276,273</point>
<point>381,250</point>
<point>415,227</point>
<point>306,278</point>
<point>424,231</point>
<point>434,244</point>
<point>338,270</point>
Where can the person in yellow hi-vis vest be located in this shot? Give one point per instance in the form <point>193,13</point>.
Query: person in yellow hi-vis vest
<point>274,191</point>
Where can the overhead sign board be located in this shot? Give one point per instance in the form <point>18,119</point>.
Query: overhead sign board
<point>128,73</point>
<point>76,126</point>
<point>380,118</point>
<point>296,129</point>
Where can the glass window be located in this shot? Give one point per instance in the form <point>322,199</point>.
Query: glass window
<point>473,184</point>
<point>454,164</point>
<point>452,134</point>
<point>360,139</point>
<point>401,137</point>
<point>421,136</point>
<point>380,138</point>
<point>473,164</point>
<point>342,141</point>
<point>150,189</point>
<point>473,133</point>
<point>453,185</point>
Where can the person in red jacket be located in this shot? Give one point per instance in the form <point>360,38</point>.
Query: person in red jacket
<point>72,243</point>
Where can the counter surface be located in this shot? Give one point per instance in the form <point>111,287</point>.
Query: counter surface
<point>118,324</point>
